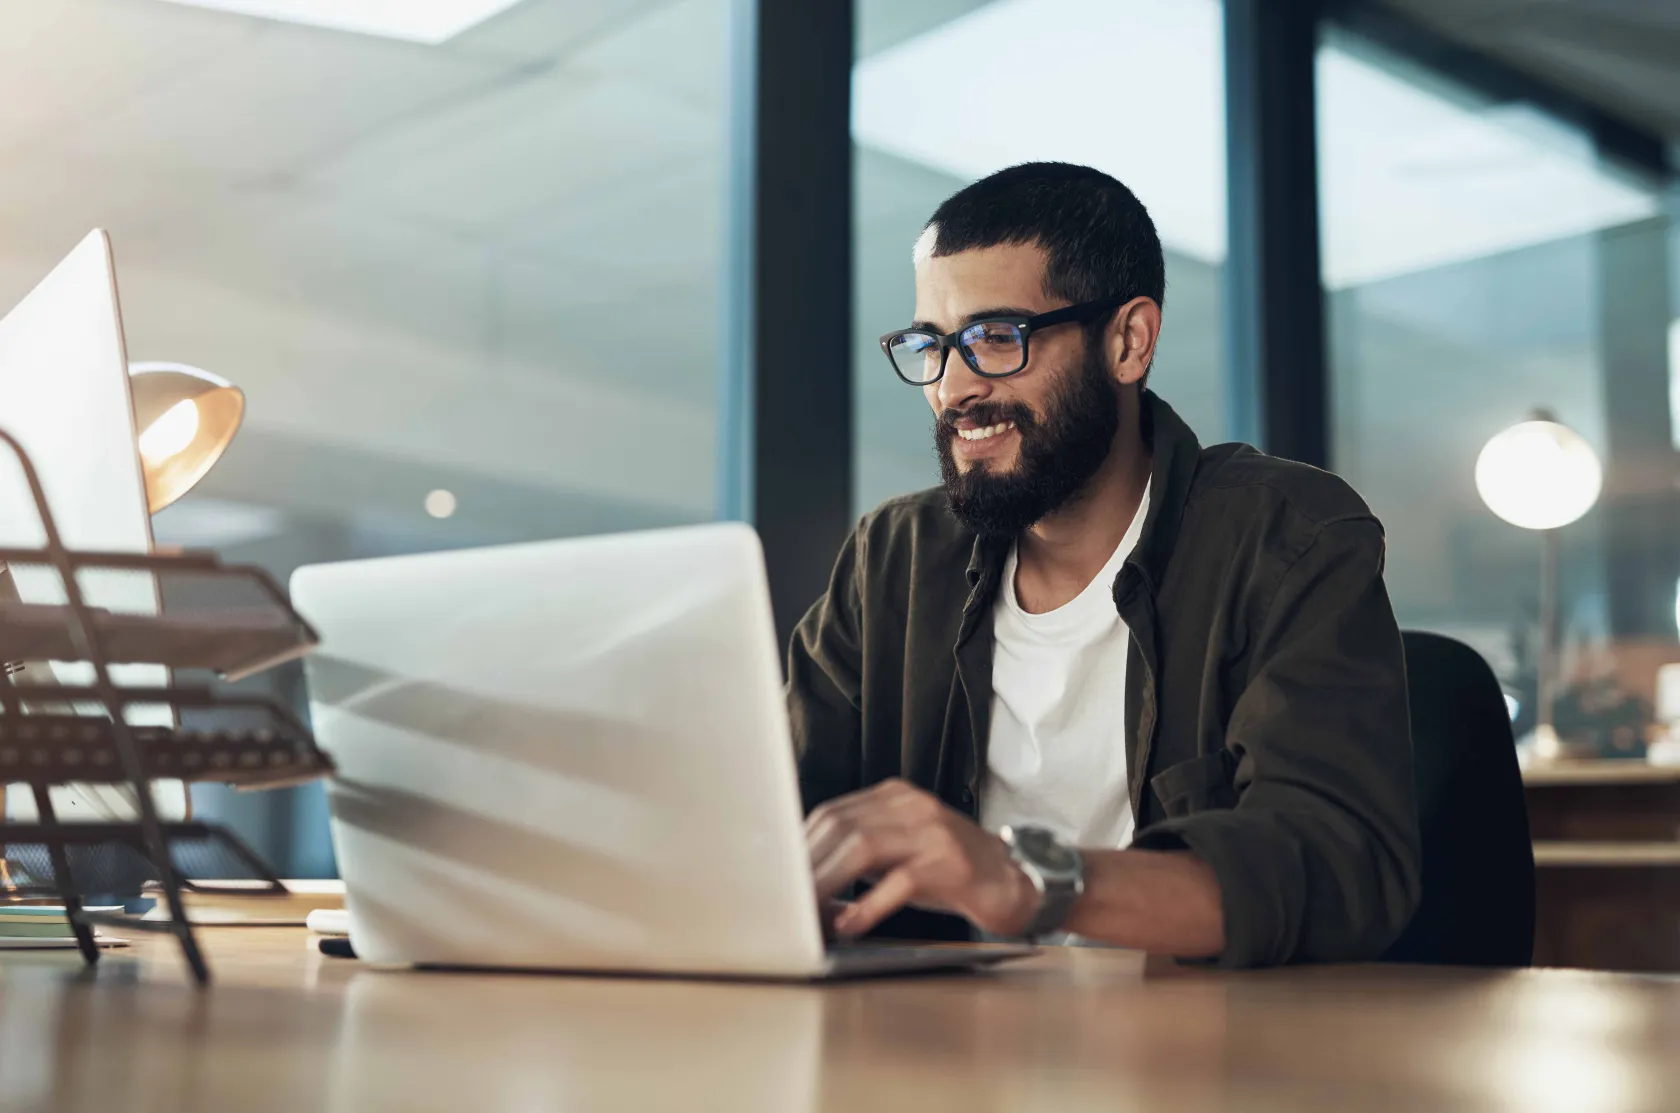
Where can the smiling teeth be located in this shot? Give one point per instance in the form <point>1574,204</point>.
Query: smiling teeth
<point>986,433</point>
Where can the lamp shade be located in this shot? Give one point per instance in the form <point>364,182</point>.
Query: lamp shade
<point>1539,474</point>
<point>185,417</point>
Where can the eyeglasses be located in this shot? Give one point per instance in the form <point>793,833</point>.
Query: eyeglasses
<point>993,347</point>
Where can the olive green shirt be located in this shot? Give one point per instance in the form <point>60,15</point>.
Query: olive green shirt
<point>1266,719</point>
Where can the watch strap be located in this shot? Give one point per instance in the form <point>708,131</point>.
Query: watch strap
<point>1055,905</point>
<point>1058,889</point>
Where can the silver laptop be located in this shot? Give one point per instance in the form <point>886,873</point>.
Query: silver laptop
<point>572,755</point>
<point>64,394</point>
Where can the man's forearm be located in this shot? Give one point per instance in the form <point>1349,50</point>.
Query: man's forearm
<point>1164,902</point>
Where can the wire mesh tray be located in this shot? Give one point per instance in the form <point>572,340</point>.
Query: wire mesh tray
<point>48,744</point>
<point>250,628</point>
<point>109,859</point>
<point>53,749</point>
<point>226,643</point>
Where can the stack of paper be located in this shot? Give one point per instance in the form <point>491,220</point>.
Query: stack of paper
<point>254,906</point>
<point>34,922</point>
<point>39,926</point>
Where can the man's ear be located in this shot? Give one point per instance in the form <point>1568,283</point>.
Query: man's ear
<point>1130,340</point>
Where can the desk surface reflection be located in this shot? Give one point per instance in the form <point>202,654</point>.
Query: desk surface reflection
<point>285,1029</point>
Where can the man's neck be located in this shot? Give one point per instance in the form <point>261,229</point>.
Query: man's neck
<point>1060,556</point>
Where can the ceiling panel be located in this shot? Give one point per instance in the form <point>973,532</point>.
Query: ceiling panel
<point>1631,84</point>
<point>665,227</point>
<point>494,258</point>
<point>538,30</point>
<point>355,263</point>
<point>681,49</point>
<point>283,97</point>
<point>421,21</point>
<point>1622,55</point>
<point>522,150</point>
<point>495,313</point>
<point>658,341</point>
<point>350,381</point>
<point>279,245</point>
<point>48,205</point>
<point>65,60</point>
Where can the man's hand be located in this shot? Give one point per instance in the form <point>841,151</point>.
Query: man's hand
<point>917,851</point>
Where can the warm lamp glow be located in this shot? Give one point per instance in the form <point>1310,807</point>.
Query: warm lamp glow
<point>1539,475</point>
<point>170,433</point>
<point>185,418</point>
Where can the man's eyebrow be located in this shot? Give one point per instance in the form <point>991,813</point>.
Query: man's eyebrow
<point>977,315</point>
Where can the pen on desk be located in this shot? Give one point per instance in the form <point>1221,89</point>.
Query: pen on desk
<point>336,946</point>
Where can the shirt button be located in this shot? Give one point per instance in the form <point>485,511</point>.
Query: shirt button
<point>967,798</point>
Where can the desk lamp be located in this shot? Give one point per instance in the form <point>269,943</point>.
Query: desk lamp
<point>1540,475</point>
<point>185,419</point>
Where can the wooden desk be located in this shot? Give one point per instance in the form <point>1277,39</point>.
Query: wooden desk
<point>1607,854</point>
<point>287,1030</point>
<point>1602,772</point>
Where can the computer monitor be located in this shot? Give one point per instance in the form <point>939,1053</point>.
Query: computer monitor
<point>64,394</point>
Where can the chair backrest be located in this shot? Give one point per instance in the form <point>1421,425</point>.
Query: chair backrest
<point>1478,860</point>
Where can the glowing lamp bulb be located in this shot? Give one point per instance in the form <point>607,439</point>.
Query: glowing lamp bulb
<point>1538,475</point>
<point>170,433</point>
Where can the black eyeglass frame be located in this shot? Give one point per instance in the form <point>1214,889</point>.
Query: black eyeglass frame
<point>1083,311</point>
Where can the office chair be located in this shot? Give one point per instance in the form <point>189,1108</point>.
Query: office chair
<point>1478,861</point>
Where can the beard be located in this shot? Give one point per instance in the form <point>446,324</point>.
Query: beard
<point>1058,454</point>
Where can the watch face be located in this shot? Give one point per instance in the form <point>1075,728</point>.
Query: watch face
<point>1041,846</point>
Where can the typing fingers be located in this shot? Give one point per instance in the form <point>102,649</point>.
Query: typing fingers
<point>891,893</point>
<point>858,848</point>
<point>890,804</point>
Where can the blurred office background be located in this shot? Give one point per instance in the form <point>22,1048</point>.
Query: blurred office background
<point>474,266</point>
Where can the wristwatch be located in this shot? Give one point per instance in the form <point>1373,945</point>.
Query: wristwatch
<point>1057,871</point>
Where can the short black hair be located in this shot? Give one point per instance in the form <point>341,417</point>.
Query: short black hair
<point>1098,235</point>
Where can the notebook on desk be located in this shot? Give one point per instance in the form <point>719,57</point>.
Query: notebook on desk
<point>37,927</point>
<point>580,750</point>
<point>251,903</point>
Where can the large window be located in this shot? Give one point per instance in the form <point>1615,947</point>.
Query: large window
<point>947,91</point>
<point>1482,262</point>
<point>485,265</point>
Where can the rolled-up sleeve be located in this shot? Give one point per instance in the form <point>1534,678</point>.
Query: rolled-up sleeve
<point>1320,860</point>
<point>824,686</point>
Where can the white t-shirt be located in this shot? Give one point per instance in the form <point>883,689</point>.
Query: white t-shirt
<point>1057,753</point>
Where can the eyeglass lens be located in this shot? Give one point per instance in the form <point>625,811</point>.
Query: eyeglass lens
<point>915,355</point>
<point>991,347</point>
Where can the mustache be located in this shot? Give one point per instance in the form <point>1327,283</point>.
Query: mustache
<point>986,413</point>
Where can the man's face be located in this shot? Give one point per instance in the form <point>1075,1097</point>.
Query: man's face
<point>1013,450</point>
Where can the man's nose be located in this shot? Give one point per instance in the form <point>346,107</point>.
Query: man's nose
<point>960,387</point>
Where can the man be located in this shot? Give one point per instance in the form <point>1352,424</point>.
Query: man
<point>1103,681</point>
